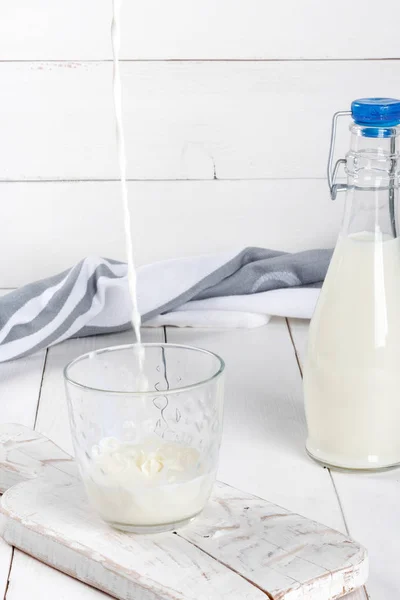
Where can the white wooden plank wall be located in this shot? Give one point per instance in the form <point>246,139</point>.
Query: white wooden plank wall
<point>183,120</point>
<point>178,29</point>
<point>49,226</point>
<point>227,108</point>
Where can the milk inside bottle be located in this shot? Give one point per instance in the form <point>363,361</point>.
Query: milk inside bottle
<point>352,369</point>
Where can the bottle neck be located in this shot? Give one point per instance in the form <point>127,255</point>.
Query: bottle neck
<point>373,169</point>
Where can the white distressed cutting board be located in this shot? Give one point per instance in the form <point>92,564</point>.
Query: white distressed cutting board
<point>241,548</point>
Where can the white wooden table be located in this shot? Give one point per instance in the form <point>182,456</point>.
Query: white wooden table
<point>262,451</point>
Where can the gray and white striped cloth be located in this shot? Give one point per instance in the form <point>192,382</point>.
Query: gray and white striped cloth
<point>237,289</point>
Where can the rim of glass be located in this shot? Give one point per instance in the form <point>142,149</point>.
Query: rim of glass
<point>174,390</point>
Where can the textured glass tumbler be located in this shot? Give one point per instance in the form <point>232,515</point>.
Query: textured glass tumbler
<point>146,426</point>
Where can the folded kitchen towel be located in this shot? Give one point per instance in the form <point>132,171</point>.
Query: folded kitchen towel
<point>242,288</point>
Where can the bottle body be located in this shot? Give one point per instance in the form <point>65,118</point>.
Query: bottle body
<point>352,369</point>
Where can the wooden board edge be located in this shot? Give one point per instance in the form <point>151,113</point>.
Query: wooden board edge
<point>78,563</point>
<point>75,564</point>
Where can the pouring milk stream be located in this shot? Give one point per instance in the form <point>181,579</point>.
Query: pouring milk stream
<point>147,480</point>
<point>120,137</point>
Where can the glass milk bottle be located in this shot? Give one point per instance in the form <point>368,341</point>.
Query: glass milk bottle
<point>352,370</point>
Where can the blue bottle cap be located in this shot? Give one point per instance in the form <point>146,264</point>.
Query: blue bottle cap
<point>376,112</point>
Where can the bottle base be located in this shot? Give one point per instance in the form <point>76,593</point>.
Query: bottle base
<point>349,466</point>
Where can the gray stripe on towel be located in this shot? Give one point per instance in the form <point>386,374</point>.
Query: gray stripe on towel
<point>13,301</point>
<point>81,308</point>
<point>266,269</point>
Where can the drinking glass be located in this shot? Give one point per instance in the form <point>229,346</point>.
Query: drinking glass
<point>146,425</point>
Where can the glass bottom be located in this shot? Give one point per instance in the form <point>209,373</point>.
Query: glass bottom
<point>145,529</point>
<point>328,461</point>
